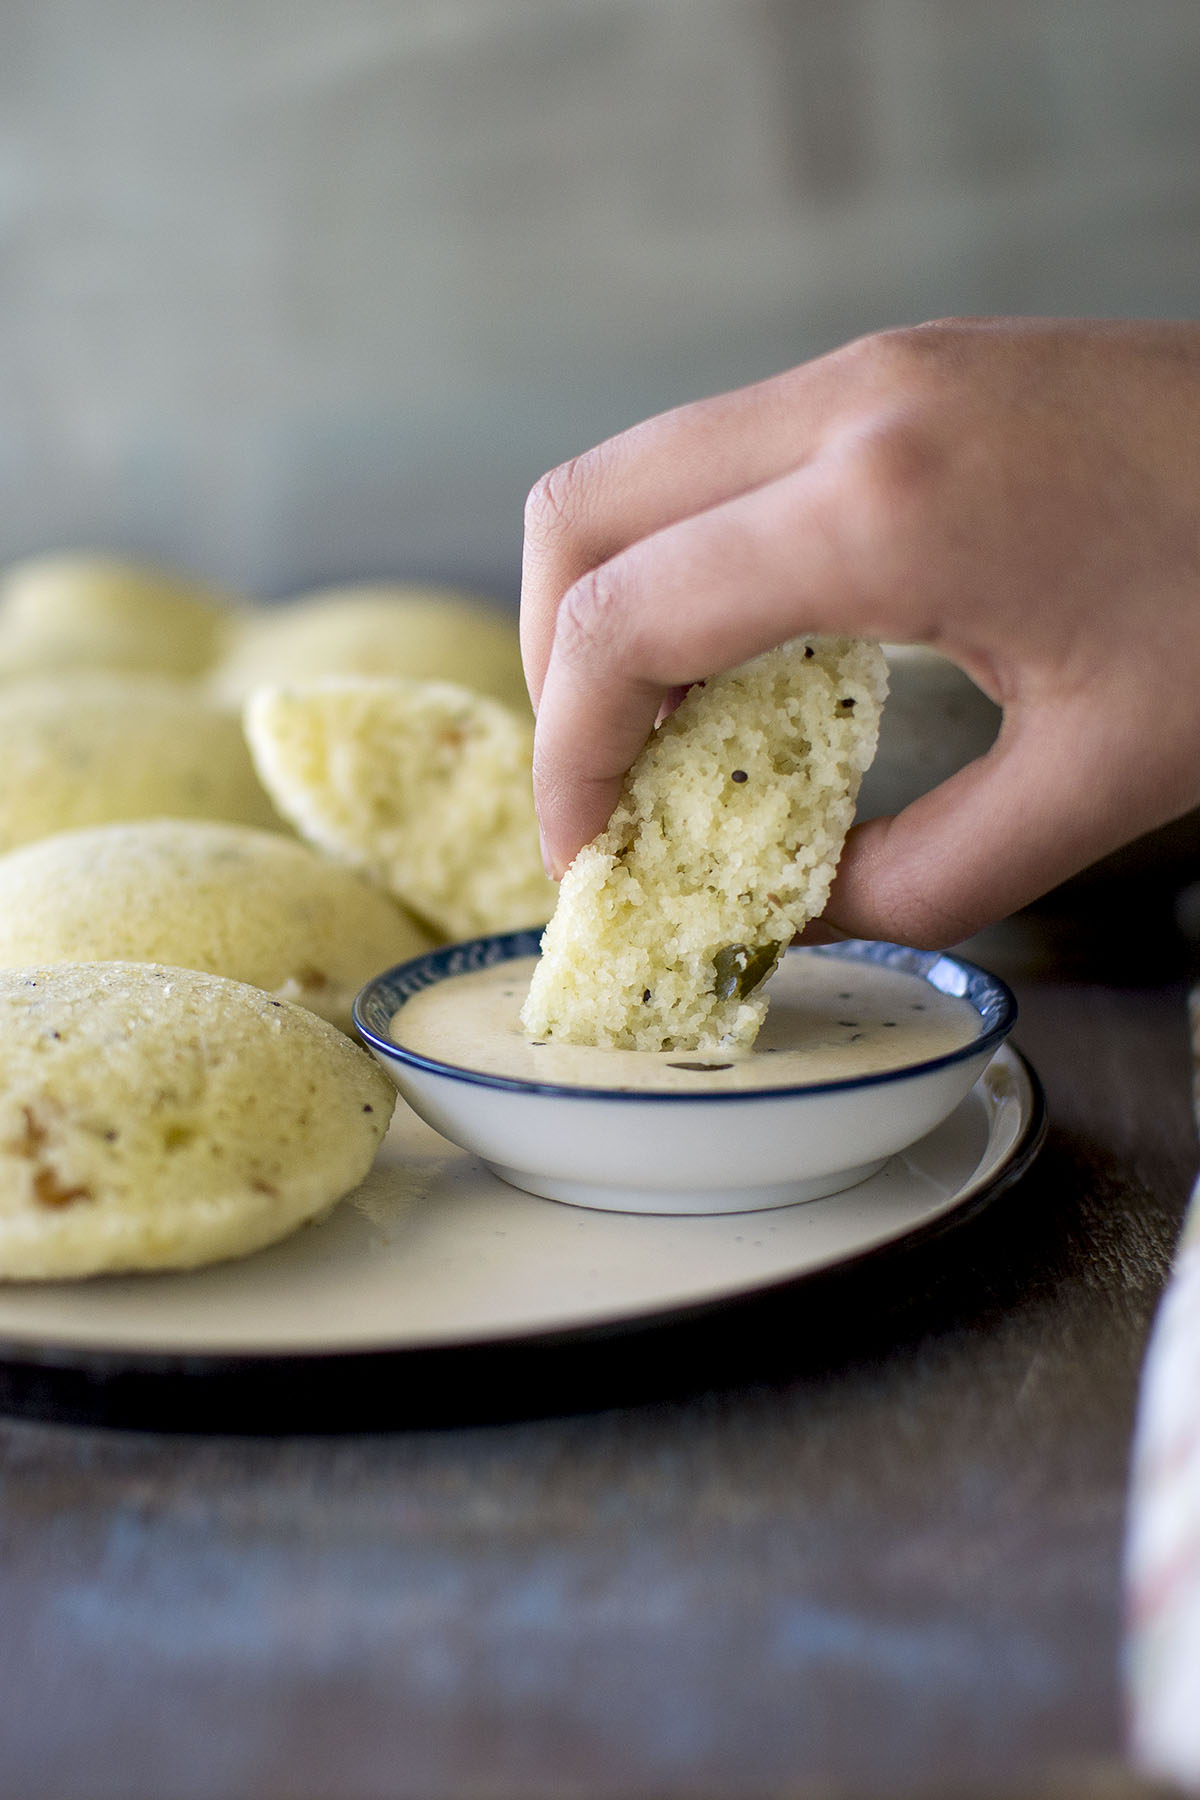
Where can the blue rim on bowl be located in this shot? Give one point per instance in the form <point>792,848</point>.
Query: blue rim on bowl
<point>385,994</point>
<point>699,1151</point>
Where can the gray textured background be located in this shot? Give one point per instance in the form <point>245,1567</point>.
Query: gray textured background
<point>301,291</point>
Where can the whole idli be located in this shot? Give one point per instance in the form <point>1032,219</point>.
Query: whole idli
<point>92,610</point>
<point>252,905</point>
<point>83,749</point>
<point>421,633</point>
<point>159,1118</point>
<point>424,785</point>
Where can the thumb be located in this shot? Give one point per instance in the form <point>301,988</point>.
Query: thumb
<point>1051,796</point>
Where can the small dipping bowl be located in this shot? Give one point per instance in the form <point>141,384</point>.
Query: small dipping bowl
<point>697,1151</point>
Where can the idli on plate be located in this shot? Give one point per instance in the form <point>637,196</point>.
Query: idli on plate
<point>160,1118</point>
<point>424,785</point>
<point>252,905</point>
<point>421,633</point>
<point>92,610</point>
<point>82,749</point>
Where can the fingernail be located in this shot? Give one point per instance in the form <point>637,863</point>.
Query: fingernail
<point>547,861</point>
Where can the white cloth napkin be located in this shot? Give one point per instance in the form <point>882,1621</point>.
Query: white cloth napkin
<point>1163,1535</point>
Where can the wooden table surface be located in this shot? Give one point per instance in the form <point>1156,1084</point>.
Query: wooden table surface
<point>860,1537</point>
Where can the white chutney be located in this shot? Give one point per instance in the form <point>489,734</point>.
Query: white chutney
<point>829,1019</point>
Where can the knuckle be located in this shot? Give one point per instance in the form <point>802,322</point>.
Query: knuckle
<point>593,620</point>
<point>894,482</point>
<point>898,465</point>
<point>556,507</point>
<point>915,352</point>
<point>906,459</point>
<point>894,444</point>
<point>910,368</point>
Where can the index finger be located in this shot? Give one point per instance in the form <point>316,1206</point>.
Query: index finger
<point>697,597</point>
<point>669,468</point>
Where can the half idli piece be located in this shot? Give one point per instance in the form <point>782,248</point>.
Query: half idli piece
<point>722,846</point>
<point>424,785</point>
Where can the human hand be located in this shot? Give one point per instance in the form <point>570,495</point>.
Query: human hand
<point>1022,495</point>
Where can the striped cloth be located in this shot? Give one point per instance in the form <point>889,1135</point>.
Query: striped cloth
<point>1163,1536</point>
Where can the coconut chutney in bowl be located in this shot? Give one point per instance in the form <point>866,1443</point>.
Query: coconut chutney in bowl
<point>865,1049</point>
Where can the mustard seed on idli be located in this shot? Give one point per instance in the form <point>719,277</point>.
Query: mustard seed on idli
<point>722,846</point>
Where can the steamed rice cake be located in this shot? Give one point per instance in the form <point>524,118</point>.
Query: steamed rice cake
<point>420,633</point>
<point>722,846</point>
<point>94,611</point>
<point>160,1118</point>
<point>252,905</point>
<point>83,749</point>
<point>426,786</point>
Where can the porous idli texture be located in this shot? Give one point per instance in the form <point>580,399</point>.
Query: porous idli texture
<point>723,845</point>
<point>426,786</point>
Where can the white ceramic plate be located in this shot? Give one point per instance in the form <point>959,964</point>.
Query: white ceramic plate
<point>433,1251</point>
